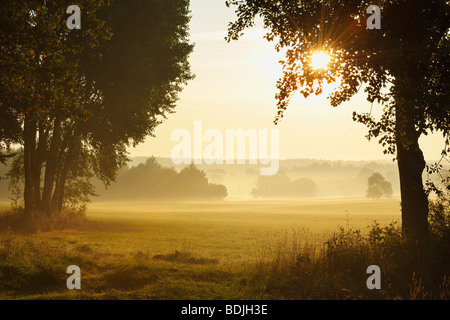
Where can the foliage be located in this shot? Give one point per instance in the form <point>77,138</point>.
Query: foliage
<point>9,133</point>
<point>440,229</point>
<point>338,270</point>
<point>359,56</point>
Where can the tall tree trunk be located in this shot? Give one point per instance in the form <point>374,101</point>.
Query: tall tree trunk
<point>65,160</point>
<point>411,164</point>
<point>58,197</point>
<point>51,167</point>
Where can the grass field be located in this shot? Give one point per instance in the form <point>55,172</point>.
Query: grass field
<point>174,250</point>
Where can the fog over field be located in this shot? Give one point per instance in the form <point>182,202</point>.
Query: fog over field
<point>315,179</point>
<point>328,179</point>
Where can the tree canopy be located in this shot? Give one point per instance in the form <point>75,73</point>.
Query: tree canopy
<point>379,59</point>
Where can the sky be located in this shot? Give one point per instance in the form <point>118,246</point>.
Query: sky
<point>235,88</point>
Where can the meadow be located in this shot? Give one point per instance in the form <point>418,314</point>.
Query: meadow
<point>178,250</point>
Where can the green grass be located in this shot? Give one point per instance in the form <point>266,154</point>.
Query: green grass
<point>176,250</point>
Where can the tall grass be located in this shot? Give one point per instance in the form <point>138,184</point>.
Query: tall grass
<point>15,220</point>
<point>337,270</point>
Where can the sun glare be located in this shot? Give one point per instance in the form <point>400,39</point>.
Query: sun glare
<point>320,60</point>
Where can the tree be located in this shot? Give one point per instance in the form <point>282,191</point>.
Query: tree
<point>404,66</point>
<point>80,97</point>
<point>38,84</point>
<point>193,183</point>
<point>378,187</point>
<point>152,181</point>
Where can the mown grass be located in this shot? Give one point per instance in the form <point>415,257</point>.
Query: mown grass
<point>235,250</point>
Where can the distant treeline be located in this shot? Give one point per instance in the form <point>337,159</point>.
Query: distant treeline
<point>281,186</point>
<point>159,178</point>
<point>152,181</point>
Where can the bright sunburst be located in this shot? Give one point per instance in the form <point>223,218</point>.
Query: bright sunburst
<point>320,60</point>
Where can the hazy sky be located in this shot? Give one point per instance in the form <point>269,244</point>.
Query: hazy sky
<point>235,88</point>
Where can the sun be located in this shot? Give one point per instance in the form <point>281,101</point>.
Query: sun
<point>320,60</point>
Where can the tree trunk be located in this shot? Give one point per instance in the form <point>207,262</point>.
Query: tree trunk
<point>51,167</point>
<point>411,164</point>
<point>72,151</point>
<point>66,160</point>
<point>58,197</point>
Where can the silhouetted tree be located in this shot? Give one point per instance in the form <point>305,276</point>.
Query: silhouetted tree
<point>405,66</point>
<point>152,181</point>
<point>378,187</point>
<point>217,191</point>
